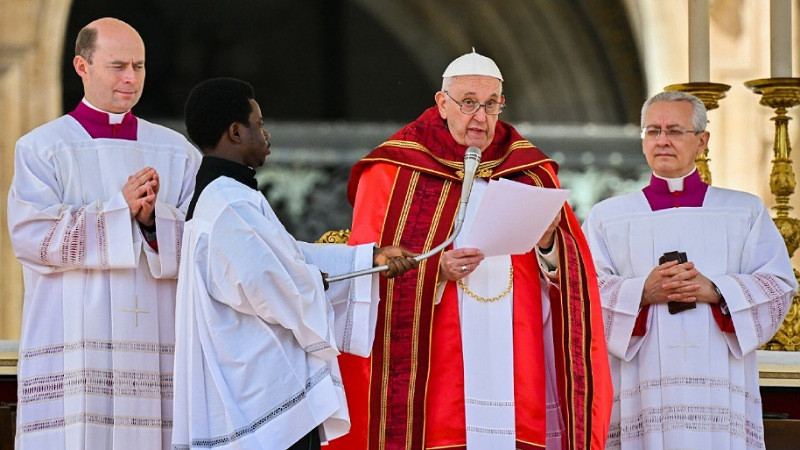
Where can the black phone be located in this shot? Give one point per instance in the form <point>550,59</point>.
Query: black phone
<point>676,307</point>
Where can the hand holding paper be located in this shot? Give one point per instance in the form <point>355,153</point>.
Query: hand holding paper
<point>512,217</point>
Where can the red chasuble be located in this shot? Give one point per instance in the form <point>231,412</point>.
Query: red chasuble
<point>410,393</point>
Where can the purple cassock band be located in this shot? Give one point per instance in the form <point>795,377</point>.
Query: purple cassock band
<point>96,124</point>
<point>692,195</point>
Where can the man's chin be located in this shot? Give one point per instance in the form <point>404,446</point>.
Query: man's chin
<point>122,107</point>
<point>480,143</point>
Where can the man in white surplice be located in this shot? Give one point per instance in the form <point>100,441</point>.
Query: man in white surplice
<point>255,360</point>
<point>95,214</point>
<point>687,378</point>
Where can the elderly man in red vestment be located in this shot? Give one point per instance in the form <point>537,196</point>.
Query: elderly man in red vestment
<point>473,352</point>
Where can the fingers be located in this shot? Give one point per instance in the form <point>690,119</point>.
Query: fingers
<point>546,241</point>
<point>458,263</point>
<point>547,238</point>
<point>672,268</point>
<point>147,207</point>
<point>141,177</point>
<point>396,252</point>
<point>663,267</point>
<point>464,253</point>
<point>141,185</point>
<point>687,296</point>
<point>399,266</point>
<point>155,183</point>
<point>408,253</point>
<point>398,260</point>
<point>382,255</point>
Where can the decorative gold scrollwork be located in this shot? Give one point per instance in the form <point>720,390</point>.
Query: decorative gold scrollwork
<point>334,237</point>
<point>782,94</point>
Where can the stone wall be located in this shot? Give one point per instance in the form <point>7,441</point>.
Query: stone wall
<point>31,39</point>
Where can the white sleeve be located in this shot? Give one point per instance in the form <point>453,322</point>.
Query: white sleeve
<point>355,301</point>
<point>49,235</point>
<point>257,268</point>
<point>760,296</point>
<point>620,297</point>
<point>169,223</point>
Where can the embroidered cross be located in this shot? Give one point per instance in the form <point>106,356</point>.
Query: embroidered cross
<point>136,310</point>
<point>684,346</point>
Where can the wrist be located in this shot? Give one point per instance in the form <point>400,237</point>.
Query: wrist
<point>723,305</point>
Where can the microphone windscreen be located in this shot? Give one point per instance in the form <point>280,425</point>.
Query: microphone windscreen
<point>472,154</point>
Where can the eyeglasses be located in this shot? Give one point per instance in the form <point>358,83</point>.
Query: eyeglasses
<point>671,133</point>
<point>470,106</point>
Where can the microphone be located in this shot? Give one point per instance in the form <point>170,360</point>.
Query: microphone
<point>472,158</point>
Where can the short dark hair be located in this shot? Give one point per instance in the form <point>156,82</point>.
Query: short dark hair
<point>84,44</point>
<point>215,104</point>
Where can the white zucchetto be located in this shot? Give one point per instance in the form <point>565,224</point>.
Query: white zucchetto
<point>472,64</point>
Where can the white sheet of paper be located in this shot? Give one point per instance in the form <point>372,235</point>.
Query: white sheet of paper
<point>512,217</point>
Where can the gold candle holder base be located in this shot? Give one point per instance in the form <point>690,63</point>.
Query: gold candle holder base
<point>710,94</point>
<point>781,94</point>
<point>777,93</point>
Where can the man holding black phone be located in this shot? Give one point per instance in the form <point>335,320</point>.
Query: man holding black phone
<point>693,279</point>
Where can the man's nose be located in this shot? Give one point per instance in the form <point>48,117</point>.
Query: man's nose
<point>129,74</point>
<point>480,114</point>
<point>662,139</point>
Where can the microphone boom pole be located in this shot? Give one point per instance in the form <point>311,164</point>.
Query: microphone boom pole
<point>472,158</point>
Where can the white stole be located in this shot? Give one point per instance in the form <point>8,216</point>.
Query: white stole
<point>487,344</point>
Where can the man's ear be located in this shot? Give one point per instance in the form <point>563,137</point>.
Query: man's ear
<point>233,132</point>
<point>440,98</point>
<point>704,137</point>
<point>80,64</point>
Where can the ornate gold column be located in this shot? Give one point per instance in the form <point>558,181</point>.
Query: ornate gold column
<point>782,94</point>
<point>710,94</point>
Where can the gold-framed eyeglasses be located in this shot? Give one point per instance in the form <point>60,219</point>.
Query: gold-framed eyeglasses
<point>671,133</point>
<point>470,106</point>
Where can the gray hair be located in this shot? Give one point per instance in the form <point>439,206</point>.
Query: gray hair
<point>699,119</point>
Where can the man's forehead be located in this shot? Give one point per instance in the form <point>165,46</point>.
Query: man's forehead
<point>669,112</point>
<point>120,44</point>
<point>661,124</point>
<point>127,61</point>
<point>476,84</point>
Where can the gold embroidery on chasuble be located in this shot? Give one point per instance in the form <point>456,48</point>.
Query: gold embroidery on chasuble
<point>418,305</point>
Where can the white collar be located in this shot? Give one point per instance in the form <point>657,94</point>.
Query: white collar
<point>675,184</point>
<point>113,118</point>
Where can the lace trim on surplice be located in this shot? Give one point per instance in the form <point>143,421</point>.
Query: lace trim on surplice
<point>96,419</point>
<point>126,383</point>
<point>287,405</point>
<point>87,344</point>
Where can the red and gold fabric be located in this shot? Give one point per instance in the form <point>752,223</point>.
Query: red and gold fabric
<point>410,393</point>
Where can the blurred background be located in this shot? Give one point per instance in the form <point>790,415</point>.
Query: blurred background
<point>335,78</point>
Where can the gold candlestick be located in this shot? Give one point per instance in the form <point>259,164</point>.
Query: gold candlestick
<point>782,94</point>
<point>710,94</point>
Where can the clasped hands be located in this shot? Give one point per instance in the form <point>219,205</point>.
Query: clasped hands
<point>673,282</point>
<point>140,193</point>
